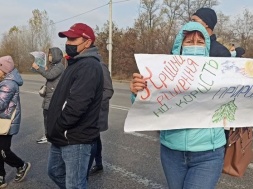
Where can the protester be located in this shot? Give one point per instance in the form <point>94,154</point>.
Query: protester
<point>52,73</point>
<point>10,80</point>
<point>74,110</point>
<point>191,158</point>
<point>208,18</point>
<point>237,52</point>
<point>232,51</point>
<point>96,152</point>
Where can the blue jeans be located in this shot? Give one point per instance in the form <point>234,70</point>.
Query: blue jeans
<point>192,170</point>
<point>68,165</point>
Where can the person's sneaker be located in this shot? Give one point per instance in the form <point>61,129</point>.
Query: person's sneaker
<point>96,169</point>
<point>2,182</point>
<point>22,171</point>
<point>42,140</point>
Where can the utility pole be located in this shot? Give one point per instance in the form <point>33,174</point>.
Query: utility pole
<point>110,38</point>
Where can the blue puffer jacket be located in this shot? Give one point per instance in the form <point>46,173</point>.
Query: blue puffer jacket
<point>193,140</point>
<point>9,99</point>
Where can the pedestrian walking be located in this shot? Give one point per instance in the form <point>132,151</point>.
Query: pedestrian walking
<point>10,81</point>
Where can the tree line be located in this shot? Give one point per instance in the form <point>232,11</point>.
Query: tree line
<point>153,31</point>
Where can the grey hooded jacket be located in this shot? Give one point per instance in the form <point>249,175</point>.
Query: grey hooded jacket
<point>52,75</point>
<point>107,95</point>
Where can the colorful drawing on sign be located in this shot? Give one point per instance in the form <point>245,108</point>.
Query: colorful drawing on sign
<point>229,66</point>
<point>249,68</point>
<point>225,112</point>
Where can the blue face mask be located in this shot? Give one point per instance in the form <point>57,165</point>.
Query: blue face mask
<point>194,50</point>
<point>233,53</point>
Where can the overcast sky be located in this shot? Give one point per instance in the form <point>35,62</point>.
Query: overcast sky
<point>18,12</point>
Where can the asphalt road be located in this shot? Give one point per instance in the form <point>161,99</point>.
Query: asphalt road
<point>131,161</point>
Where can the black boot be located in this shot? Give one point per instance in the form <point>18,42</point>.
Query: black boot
<point>2,182</point>
<point>96,169</point>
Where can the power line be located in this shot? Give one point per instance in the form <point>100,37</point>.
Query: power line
<point>88,11</point>
<point>81,14</point>
<point>121,1</point>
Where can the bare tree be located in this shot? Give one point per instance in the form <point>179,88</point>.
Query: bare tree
<point>41,30</point>
<point>20,41</point>
<point>243,29</point>
<point>224,31</point>
<point>172,12</point>
<point>148,21</point>
<point>190,6</point>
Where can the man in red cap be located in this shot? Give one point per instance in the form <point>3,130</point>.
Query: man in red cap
<point>74,110</point>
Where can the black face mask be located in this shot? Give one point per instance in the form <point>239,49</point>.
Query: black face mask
<point>71,50</point>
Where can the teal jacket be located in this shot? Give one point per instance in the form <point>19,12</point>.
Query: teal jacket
<point>193,140</point>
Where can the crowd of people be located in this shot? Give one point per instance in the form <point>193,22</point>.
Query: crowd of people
<point>76,107</point>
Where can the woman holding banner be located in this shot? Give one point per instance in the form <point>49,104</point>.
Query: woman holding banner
<point>191,158</point>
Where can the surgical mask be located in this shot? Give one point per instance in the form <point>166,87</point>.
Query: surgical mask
<point>194,50</point>
<point>71,50</point>
<point>233,53</point>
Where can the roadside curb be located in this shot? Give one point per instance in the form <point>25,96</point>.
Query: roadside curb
<point>38,77</point>
<point>120,81</point>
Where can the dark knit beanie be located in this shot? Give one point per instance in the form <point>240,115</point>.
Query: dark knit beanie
<point>208,16</point>
<point>239,51</point>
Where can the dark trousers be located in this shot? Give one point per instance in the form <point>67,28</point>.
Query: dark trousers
<point>45,112</point>
<point>7,156</point>
<point>96,153</point>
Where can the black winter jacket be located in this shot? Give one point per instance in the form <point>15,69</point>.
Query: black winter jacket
<point>217,49</point>
<point>74,109</point>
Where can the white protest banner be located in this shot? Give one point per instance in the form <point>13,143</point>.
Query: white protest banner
<point>192,92</point>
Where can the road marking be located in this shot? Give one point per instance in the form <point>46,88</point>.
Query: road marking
<point>151,138</point>
<point>124,108</point>
<point>154,139</point>
<point>119,107</point>
<point>112,106</point>
<point>132,150</point>
<point>139,179</point>
<point>32,92</point>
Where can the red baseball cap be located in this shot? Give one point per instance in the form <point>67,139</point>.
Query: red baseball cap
<point>79,30</point>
